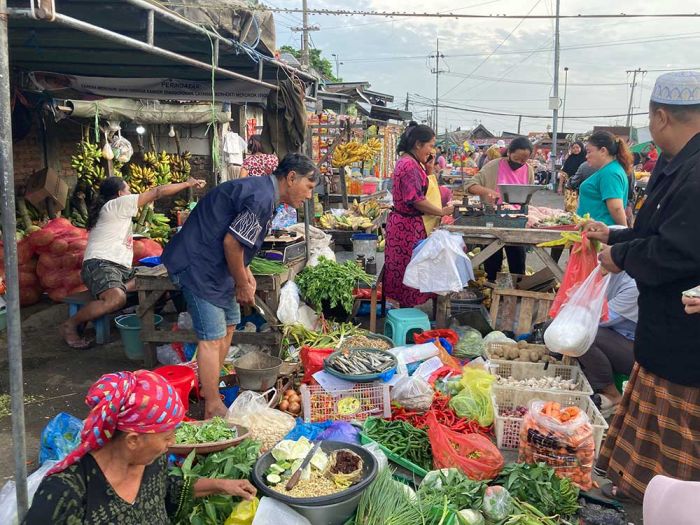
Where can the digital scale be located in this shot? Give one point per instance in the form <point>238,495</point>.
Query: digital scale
<point>283,246</point>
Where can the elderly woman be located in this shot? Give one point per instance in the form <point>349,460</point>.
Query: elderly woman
<point>417,211</point>
<point>118,473</point>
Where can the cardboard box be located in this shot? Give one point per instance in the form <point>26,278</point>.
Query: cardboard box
<point>46,184</point>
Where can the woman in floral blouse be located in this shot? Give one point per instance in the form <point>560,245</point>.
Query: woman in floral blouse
<point>257,163</point>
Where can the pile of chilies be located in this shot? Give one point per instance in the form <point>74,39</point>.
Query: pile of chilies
<point>445,416</point>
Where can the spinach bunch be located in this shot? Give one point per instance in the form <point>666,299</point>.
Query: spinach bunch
<point>331,284</point>
<point>460,491</point>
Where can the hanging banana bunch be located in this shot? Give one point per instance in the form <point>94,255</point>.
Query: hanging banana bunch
<point>141,178</point>
<point>180,167</point>
<point>348,153</point>
<point>86,163</point>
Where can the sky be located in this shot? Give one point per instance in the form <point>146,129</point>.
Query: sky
<point>511,66</point>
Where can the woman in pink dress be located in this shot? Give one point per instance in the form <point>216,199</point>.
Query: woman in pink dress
<point>511,169</point>
<point>413,193</point>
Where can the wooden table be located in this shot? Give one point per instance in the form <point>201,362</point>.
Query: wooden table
<point>151,288</point>
<point>495,239</point>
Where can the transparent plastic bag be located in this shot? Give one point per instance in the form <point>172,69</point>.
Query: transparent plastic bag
<point>273,512</point>
<point>267,425</point>
<point>439,265</point>
<point>288,309</point>
<point>413,393</point>
<point>285,216</point>
<point>378,453</point>
<point>574,329</point>
<point>8,494</point>
<point>474,401</point>
<point>497,504</point>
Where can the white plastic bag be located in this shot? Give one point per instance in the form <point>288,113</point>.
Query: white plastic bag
<point>413,392</point>
<point>319,243</point>
<point>272,512</point>
<point>288,309</point>
<point>574,328</point>
<point>8,494</point>
<point>439,265</point>
<point>267,425</point>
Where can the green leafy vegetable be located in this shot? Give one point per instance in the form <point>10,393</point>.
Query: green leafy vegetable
<point>540,486</point>
<point>331,284</point>
<point>260,266</point>
<point>210,432</point>
<point>461,492</point>
<point>385,502</point>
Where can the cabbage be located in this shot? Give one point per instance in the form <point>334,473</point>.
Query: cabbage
<point>495,336</point>
<point>470,344</point>
<point>470,517</point>
<point>498,503</point>
<point>433,479</point>
<point>288,450</point>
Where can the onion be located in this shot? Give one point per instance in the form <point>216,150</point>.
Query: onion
<point>294,399</point>
<point>294,408</point>
<point>284,405</point>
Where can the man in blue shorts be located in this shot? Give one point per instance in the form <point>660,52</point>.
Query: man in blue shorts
<point>209,258</point>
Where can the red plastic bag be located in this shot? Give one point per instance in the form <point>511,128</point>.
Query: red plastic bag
<point>450,335</point>
<point>312,361</point>
<point>582,261</point>
<point>473,454</point>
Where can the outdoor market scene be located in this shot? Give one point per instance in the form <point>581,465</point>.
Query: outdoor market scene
<point>240,288</point>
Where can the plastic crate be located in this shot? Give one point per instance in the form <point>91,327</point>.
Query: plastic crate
<point>408,465</point>
<point>357,404</point>
<point>565,360</point>
<point>507,428</point>
<point>521,370</point>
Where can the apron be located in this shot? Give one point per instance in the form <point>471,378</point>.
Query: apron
<point>432,195</point>
<point>507,176</point>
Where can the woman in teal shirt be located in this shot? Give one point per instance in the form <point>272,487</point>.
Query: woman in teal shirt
<point>604,194</point>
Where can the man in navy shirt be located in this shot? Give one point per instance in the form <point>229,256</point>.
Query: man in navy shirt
<point>209,258</point>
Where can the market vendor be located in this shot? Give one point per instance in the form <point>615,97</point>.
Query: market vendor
<point>656,429</point>
<point>118,473</point>
<point>511,169</point>
<point>209,258</point>
<point>576,157</point>
<point>106,269</point>
<point>416,213</point>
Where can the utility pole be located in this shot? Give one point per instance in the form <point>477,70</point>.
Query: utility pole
<point>406,107</point>
<point>520,121</point>
<point>563,110</point>
<point>437,71</point>
<point>338,63</point>
<point>634,84</point>
<point>304,30</point>
<point>554,101</point>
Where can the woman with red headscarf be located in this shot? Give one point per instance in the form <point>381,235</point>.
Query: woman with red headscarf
<point>118,473</point>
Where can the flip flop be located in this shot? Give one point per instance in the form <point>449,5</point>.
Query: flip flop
<point>610,491</point>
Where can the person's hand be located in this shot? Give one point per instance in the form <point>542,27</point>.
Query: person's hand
<point>448,210</point>
<point>692,305</point>
<point>606,261</point>
<point>245,294</point>
<point>196,183</point>
<point>251,281</point>
<point>597,231</point>
<point>490,196</point>
<point>238,487</point>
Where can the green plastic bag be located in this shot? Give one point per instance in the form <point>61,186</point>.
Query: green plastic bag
<point>474,401</point>
<point>243,513</point>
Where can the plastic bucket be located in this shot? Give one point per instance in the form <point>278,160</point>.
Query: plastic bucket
<point>229,394</point>
<point>182,378</point>
<point>130,330</point>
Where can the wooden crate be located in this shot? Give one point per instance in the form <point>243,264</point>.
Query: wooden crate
<point>519,310</point>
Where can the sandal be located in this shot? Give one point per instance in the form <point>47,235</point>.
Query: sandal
<point>611,491</point>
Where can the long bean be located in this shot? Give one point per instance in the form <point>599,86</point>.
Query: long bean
<point>402,439</point>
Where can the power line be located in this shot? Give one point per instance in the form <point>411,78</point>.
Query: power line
<point>530,82</point>
<point>484,112</point>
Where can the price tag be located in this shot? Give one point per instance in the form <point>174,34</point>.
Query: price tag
<point>348,406</point>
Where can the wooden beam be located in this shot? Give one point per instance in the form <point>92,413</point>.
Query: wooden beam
<point>546,258</point>
<point>481,257</point>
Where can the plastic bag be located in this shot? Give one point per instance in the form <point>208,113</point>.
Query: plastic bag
<point>288,309</point>
<point>285,216</point>
<point>273,512</point>
<point>430,335</point>
<point>318,242</point>
<point>312,361</point>
<point>474,401</point>
<point>267,425</point>
<point>473,454</point>
<point>439,265</point>
<point>8,494</point>
<point>341,431</point>
<point>582,261</point>
<point>413,393</point>
<point>59,437</point>
<point>378,453</point>
<point>564,442</point>
<point>243,513</point>
<point>573,331</point>
<point>310,431</point>
<point>498,504</point>
<point>470,344</point>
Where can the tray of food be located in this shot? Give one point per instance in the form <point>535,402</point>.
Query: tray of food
<point>361,365</point>
<point>205,437</point>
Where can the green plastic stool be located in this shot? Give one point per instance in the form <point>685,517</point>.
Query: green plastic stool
<point>619,381</point>
<point>402,323</point>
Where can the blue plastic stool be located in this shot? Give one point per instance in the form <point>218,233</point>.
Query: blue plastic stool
<point>402,323</point>
<point>101,324</point>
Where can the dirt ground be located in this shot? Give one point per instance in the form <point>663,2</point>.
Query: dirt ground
<point>56,377</point>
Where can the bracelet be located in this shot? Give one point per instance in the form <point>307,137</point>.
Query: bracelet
<point>186,495</point>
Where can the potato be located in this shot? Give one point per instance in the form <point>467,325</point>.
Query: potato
<point>534,356</point>
<point>522,344</point>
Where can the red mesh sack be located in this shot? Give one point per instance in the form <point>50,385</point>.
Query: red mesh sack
<point>146,248</point>
<point>55,236</point>
<point>473,454</point>
<point>312,361</point>
<point>582,261</point>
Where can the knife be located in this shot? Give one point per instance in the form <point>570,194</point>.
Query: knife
<point>295,477</point>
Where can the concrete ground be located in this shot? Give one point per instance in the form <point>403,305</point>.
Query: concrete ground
<point>56,378</point>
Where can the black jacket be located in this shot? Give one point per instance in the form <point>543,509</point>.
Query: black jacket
<point>662,253</point>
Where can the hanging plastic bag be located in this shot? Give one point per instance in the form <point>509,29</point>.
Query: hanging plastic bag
<point>573,331</point>
<point>439,265</point>
<point>474,401</point>
<point>473,454</point>
<point>267,425</point>
<point>582,261</point>
<point>243,513</point>
<point>414,393</point>
<point>288,309</point>
<point>8,494</point>
<point>59,437</point>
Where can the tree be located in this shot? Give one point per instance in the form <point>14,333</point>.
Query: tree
<point>316,61</point>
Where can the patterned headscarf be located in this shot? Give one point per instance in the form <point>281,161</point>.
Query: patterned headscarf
<point>140,401</point>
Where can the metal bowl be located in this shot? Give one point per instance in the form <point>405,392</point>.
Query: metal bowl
<point>257,371</point>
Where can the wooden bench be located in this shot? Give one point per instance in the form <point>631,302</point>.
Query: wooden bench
<point>519,310</point>
<point>101,324</point>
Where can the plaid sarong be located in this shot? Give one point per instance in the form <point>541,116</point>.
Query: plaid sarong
<point>656,430</point>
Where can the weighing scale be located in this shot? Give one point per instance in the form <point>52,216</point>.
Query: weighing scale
<point>283,246</point>
<point>499,217</point>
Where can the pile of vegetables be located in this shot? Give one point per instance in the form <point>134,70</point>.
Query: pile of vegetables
<point>210,431</point>
<point>387,502</point>
<point>29,286</point>
<point>460,491</point>
<point>444,415</point>
<point>232,463</point>
<point>330,285</point>
<point>260,266</point>
<point>521,351</point>
<point>470,344</point>
<point>329,336</point>
<point>291,402</point>
<point>401,438</point>
<point>539,383</point>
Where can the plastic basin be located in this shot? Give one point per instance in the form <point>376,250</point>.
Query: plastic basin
<point>130,330</point>
<point>334,509</point>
